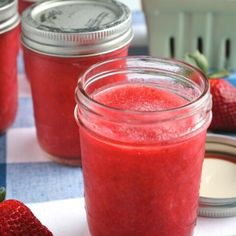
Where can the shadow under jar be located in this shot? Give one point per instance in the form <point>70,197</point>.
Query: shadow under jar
<point>61,39</point>
<point>143,128</point>
<point>9,46</point>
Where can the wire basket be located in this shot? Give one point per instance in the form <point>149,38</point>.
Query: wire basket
<point>177,27</point>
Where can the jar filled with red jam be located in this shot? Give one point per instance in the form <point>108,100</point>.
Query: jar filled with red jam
<point>143,129</point>
<point>23,4</point>
<point>9,45</point>
<point>61,39</point>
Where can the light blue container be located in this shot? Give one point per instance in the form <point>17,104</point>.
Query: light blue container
<point>177,27</point>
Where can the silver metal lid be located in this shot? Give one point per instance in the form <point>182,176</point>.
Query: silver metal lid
<point>76,27</point>
<point>220,150</point>
<point>9,16</point>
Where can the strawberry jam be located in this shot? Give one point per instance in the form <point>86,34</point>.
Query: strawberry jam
<point>65,40</point>
<point>9,45</point>
<point>142,143</point>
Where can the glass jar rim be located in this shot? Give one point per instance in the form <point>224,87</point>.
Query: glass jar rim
<point>194,105</point>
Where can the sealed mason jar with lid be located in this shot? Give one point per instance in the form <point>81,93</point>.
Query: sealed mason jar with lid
<point>9,45</point>
<point>143,128</point>
<point>61,39</point>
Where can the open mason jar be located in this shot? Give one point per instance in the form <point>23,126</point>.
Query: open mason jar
<point>143,129</point>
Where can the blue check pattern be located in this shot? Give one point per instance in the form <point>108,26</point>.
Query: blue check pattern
<point>35,181</point>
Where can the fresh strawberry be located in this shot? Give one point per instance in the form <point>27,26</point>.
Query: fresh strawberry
<point>16,219</point>
<point>224,105</point>
<point>223,95</point>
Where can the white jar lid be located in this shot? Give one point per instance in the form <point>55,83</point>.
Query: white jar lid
<point>76,27</point>
<point>218,184</point>
<point>9,16</point>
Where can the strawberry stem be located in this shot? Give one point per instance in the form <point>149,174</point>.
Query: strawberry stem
<point>2,194</point>
<point>199,60</point>
<point>219,74</point>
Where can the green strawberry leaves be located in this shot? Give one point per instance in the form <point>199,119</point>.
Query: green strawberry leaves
<point>218,74</point>
<point>199,60</point>
<point>2,194</point>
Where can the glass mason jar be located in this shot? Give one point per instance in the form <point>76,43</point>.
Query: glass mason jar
<point>61,39</point>
<point>142,130</point>
<point>9,45</point>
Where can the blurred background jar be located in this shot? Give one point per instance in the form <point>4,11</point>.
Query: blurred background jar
<point>61,39</point>
<point>9,45</point>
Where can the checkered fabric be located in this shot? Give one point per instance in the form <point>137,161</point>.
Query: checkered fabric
<point>25,170</point>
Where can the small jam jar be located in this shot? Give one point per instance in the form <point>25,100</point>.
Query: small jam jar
<point>61,39</point>
<point>143,129</point>
<point>9,45</point>
<point>23,4</point>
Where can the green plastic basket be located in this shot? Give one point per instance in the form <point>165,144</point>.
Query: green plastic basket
<point>179,26</point>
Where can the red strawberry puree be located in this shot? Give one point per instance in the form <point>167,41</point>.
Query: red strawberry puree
<point>141,174</point>
<point>9,44</point>
<point>70,42</point>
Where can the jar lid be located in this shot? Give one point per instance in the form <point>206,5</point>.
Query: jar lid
<point>76,27</point>
<point>9,16</point>
<point>218,184</point>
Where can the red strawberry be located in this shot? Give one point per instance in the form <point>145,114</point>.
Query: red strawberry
<point>16,219</point>
<point>223,95</point>
<point>224,105</point>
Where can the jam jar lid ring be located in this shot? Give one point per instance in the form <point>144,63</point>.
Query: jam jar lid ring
<point>9,16</point>
<point>76,27</point>
<point>220,146</point>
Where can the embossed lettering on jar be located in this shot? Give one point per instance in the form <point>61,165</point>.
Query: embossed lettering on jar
<point>61,40</point>
<point>9,45</point>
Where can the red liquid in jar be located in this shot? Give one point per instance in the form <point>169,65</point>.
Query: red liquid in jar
<point>136,188</point>
<point>9,45</point>
<point>53,81</point>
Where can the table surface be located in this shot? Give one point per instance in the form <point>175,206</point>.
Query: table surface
<point>25,169</point>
